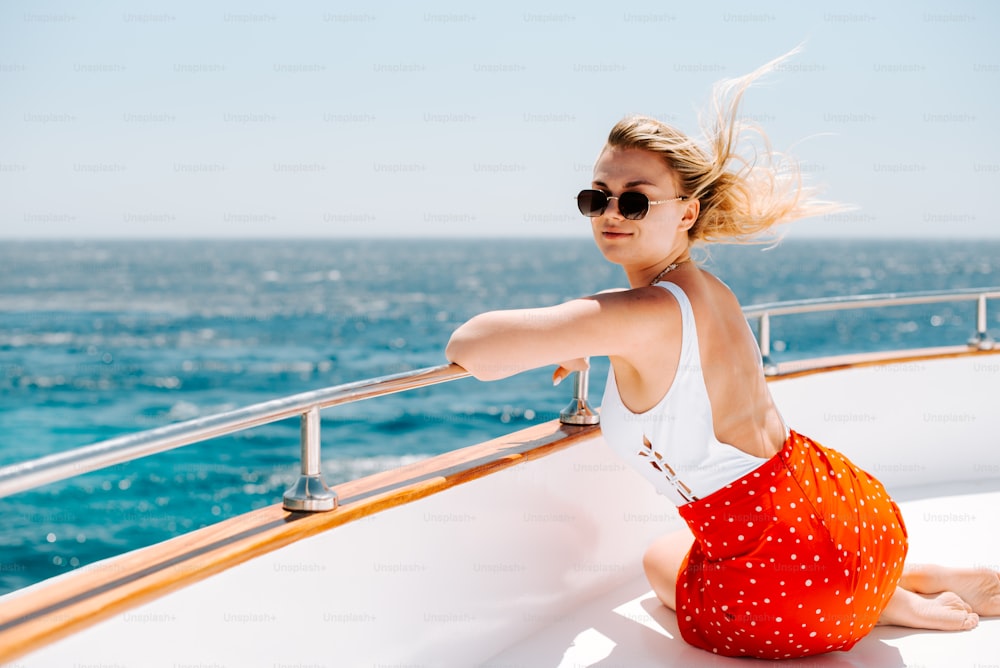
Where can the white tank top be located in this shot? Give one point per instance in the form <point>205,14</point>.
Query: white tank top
<point>673,444</point>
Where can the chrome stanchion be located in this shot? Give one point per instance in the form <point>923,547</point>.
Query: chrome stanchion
<point>310,493</point>
<point>579,411</point>
<point>981,338</point>
<point>764,343</point>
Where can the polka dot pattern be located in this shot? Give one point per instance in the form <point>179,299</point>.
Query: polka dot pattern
<point>796,558</point>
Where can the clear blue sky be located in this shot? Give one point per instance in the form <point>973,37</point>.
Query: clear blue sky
<point>300,119</point>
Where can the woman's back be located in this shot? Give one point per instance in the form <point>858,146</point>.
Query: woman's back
<point>743,412</point>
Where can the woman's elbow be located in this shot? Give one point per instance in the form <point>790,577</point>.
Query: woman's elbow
<point>455,351</point>
<point>473,356</point>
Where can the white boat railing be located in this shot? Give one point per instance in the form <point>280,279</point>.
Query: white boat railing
<point>980,339</point>
<point>310,493</point>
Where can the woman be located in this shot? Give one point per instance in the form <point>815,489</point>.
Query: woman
<point>790,550</point>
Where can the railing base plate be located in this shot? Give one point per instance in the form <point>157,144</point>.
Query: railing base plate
<point>310,494</point>
<point>579,412</point>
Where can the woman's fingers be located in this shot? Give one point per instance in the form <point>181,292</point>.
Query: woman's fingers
<point>568,367</point>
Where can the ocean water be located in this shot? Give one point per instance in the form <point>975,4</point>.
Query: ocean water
<point>104,338</point>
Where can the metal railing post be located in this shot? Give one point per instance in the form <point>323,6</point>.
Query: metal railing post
<point>764,343</point>
<point>579,411</point>
<point>310,493</point>
<point>981,339</point>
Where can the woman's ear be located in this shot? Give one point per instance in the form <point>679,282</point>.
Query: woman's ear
<point>690,217</point>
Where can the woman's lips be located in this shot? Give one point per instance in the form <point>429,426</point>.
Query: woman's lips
<point>614,234</point>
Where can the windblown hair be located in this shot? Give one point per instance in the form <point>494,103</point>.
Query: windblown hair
<point>741,196</point>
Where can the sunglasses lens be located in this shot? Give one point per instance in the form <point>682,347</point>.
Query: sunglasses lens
<point>591,202</point>
<point>633,206</point>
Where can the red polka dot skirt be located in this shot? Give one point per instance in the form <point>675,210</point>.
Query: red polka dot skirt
<point>796,558</point>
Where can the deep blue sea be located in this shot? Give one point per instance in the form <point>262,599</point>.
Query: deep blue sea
<point>103,338</point>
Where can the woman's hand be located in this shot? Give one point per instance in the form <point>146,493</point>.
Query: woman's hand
<point>566,368</point>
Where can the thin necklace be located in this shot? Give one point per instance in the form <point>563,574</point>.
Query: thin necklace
<point>670,268</point>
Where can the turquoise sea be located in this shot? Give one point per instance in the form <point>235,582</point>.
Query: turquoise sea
<point>103,338</point>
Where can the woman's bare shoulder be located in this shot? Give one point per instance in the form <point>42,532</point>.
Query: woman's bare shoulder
<point>709,291</point>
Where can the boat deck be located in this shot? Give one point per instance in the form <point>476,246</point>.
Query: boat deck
<point>520,552</point>
<point>629,628</point>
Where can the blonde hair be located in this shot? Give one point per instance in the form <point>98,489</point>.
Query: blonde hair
<point>741,196</point>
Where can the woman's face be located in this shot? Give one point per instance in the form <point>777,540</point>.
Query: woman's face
<point>662,233</point>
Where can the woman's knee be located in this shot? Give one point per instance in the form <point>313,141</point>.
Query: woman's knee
<point>655,555</point>
<point>662,561</point>
<point>670,548</point>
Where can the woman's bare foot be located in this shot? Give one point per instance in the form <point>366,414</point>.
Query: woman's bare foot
<point>979,587</point>
<point>943,612</point>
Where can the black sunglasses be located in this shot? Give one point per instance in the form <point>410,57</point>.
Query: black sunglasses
<point>632,205</point>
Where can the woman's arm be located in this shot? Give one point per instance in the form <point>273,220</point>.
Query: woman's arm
<point>499,344</point>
